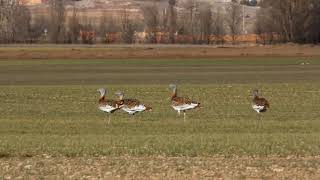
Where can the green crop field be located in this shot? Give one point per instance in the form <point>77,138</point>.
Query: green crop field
<point>50,107</point>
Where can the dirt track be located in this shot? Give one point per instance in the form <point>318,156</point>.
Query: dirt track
<point>152,51</point>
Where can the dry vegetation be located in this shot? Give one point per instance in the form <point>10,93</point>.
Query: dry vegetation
<point>47,167</point>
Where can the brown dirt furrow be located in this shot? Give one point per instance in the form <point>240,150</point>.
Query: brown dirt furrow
<point>153,51</point>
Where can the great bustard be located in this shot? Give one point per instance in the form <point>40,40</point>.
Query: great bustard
<point>259,104</point>
<point>132,106</point>
<point>181,103</point>
<point>107,105</point>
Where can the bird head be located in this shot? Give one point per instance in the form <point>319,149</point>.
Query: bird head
<point>148,108</point>
<point>119,94</point>
<point>174,89</point>
<point>173,86</point>
<point>102,91</point>
<point>255,92</point>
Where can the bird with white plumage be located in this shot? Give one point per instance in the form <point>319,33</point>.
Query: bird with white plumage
<point>259,104</point>
<point>181,103</point>
<point>107,105</point>
<point>132,106</point>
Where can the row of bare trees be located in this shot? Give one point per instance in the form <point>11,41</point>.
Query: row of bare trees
<point>199,22</point>
<point>14,21</point>
<point>16,26</point>
<point>294,20</point>
<point>196,19</point>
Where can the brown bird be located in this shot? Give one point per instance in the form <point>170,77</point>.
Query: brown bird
<point>132,106</point>
<point>181,103</point>
<point>259,104</point>
<point>108,105</point>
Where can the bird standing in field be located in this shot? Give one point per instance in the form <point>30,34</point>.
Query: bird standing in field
<point>181,103</point>
<point>259,104</point>
<point>107,105</point>
<point>132,106</point>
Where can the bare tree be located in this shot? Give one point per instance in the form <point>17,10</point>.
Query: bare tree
<point>14,21</point>
<point>271,20</point>
<point>267,27</point>
<point>163,20</point>
<point>57,20</point>
<point>191,7</point>
<point>218,29</point>
<point>87,29</point>
<point>172,20</point>
<point>38,29</point>
<point>73,26</point>
<point>112,25</point>
<point>103,25</point>
<point>5,21</point>
<point>127,31</point>
<point>233,20</point>
<point>312,26</point>
<point>21,23</point>
<point>205,18</point>
<point>295,20</point>
<point>107,26</point>
<point>151,19</point>
<point>86,23</point>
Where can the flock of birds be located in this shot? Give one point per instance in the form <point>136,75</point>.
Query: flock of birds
<point>133,106</point>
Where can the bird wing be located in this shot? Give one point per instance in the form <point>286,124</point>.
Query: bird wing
<point>131,102</point>
<point>139,108</point>
<point>109,106</point>
<point>112,103</point>
<point>178,101</point>
<point>261,102</point>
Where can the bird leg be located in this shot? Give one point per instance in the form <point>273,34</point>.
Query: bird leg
<point>105,120</point>
<point>178,113</point>
<point>109,119</point>
<point>259,120</point>
<point>184,116</point>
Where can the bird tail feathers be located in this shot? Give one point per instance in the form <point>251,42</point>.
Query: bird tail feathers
<point>148,108</point>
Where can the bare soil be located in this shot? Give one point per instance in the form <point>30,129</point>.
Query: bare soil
<point>153,51</point>
<point>46,167</point>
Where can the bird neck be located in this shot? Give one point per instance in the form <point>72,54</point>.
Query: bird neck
<point>174,93</point>
<point>121,97</point>
<point>255,97</point>
<point>102,98</point>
